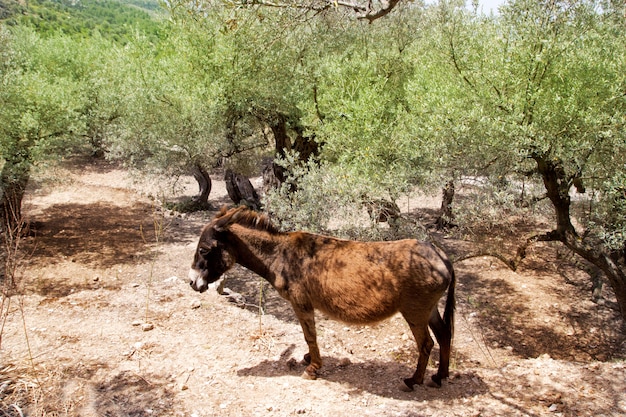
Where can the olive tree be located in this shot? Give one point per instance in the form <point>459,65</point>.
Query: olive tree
<point>166,121</point>
<point>539,92</point>
<point>41,108</point>
<point>223,88</point>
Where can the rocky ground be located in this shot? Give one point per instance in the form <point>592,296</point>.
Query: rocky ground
<point>108,326</point>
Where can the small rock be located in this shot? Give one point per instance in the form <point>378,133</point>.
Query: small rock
<point>136,323</point>
<point>4,386</point>
<point>146,327</point>
<point>184,387</point>
<point>196,304</point>
<point>553,408</point>
<point>345,362</point>
<point>234,297</point>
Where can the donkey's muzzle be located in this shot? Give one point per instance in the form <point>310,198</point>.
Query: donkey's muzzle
<point>197,282</point>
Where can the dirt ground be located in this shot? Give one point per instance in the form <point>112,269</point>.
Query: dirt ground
<point>109,326</point>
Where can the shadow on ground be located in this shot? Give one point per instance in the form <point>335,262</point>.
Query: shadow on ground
<point>503,315</point>
<point>100,234</point>
<point>364,377</point>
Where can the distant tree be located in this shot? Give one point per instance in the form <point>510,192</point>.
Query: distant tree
<point>165,124</point>
<point>107,18</point>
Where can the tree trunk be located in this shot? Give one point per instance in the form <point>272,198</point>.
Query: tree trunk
<point>446,216</point>
<point>13,181</point>
<point>204,184</point>
<point>305,146</point>
<point>241,191</point>
<point>283,144</point>
<point>557,190</point>
<point>557,186</point>
<point>600,259</point>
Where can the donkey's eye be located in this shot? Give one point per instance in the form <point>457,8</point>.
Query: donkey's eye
<point>203,251</point>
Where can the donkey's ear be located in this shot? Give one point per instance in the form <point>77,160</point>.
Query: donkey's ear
<point>228,218</point>
<point>220,226</point>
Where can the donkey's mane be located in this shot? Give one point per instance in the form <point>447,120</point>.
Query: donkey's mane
<point>245,217</point>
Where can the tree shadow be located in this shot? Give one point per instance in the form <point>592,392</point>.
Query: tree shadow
<point>130,394</point>
<point>259,293</point>
<point>503,315</point>
<point>364,377</point>
<point>99,234</point>
<point>87,388</point>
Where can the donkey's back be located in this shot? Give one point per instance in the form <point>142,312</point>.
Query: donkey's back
<point>365,282</point>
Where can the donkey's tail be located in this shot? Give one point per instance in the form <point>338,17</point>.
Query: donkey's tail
<point>448,313</point>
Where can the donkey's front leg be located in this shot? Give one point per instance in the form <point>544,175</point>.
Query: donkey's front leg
<point>306,316</point>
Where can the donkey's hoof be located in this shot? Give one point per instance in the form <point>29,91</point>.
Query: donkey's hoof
<point>434,381</point>
<point>404,387</point>
<point>407,385</point>
<point>307,375</point>
<point>307,359</point>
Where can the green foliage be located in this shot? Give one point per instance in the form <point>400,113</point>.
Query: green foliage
<point>313,196</point>
<point>363,95</point>
<point>167,119</point>
<point>323,198</point>
<point>10,8</point>
<point>40,102</point>
<point>109,18</point>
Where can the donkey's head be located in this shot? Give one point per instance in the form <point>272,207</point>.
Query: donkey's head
<point>211,259</point>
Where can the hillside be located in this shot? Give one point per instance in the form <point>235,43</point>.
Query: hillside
<point>117,20</point>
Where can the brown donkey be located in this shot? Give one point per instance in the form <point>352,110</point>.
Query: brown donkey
<point>356,282</point>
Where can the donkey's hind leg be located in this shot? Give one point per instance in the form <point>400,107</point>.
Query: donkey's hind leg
<point>424,346</point>
<point>444,339</point>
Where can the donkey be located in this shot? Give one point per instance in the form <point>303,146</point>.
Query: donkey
<point>355,282</point>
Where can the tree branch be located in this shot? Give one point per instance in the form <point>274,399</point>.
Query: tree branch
<point>363,10</point>
<point>513,264</point>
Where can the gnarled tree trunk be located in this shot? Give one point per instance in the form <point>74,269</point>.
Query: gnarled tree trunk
<point>204,184</point>
<point>241,191</point>
<point>13,181</point>
<point>306,146</point>
<point>558,184</point>
<point>446,216</point>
